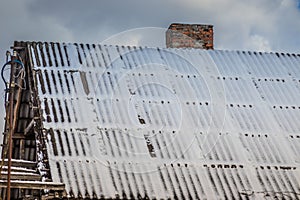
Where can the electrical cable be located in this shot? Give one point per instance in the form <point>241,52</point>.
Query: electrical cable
<point>3,78</point>
<point>7,55</point>
<point>2,73</point>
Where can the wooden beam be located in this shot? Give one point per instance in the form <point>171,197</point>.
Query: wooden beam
<point>12,119</point>
<point>21,136</point>
<point>22,149</point>
<point>22,176</point>
<point>18,136</point>
<point>34,185</point>
<point>29,126</point>
<point>19,169</point>
<point>21,163</point>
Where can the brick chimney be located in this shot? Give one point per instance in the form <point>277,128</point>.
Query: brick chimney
<point>190,36</point>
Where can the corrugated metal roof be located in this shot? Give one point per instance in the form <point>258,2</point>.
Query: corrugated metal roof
<point>135,122</point>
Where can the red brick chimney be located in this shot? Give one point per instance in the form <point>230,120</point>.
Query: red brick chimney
<point>190,36</point>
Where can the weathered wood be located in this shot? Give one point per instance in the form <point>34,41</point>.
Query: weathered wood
<point>21,163</point>
<point>34,185</point>
<point>11,120</point>
<point>29,126</point>
<point>22,149</point>
<point>22,176</point>
<point>19,169</point>
<point>18,136</point>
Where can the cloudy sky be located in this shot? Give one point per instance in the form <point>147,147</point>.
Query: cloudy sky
<point>262,25</point>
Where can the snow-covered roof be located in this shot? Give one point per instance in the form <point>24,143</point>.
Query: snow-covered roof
<point>141,122</point>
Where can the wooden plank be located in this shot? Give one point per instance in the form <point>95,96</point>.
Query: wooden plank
<point>22,176</point>
<point>18,136</point>
<point>19,169</point>
<point>34,185</point>
<point>30,125</point>
<point>21,163</point>
<point>22,149</point>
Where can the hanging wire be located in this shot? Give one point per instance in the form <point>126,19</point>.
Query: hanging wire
<point>3,78</point>
<point>7,55</point>
<point>22,75</point>
<point>22,70</point>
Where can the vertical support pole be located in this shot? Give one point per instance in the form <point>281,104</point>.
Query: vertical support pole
<point>22,151</point>
<point>11,119</point>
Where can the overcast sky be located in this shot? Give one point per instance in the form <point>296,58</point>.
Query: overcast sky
<point>262,25</point>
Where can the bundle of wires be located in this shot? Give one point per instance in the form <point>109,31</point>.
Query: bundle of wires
<point>3,70</point>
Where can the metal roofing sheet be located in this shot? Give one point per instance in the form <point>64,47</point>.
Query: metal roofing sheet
<point>141,122</point>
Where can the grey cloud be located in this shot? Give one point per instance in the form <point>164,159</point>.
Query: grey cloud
<point>239,24</point>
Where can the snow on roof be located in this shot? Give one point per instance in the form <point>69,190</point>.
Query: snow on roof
<point>141,122</point>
